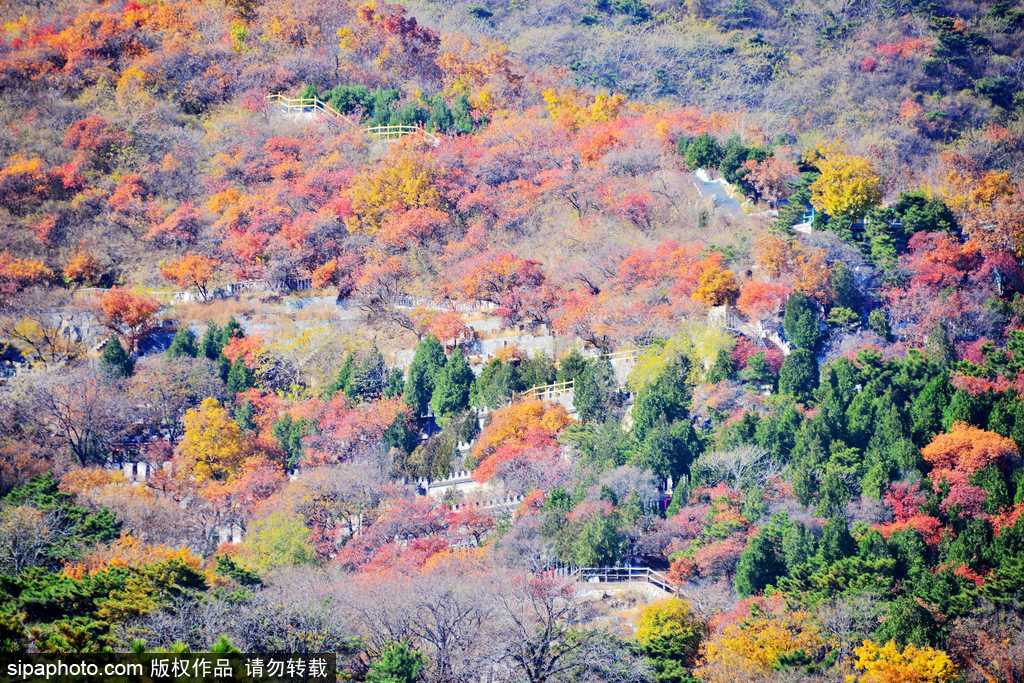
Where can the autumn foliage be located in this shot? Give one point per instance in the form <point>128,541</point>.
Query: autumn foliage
<point>889,664</point>
<point>129,315</point>
<point>191,270</point>
<point>968,449</point>
<point>522,429</point>
<point>213,447</point>
<point>847,185</point>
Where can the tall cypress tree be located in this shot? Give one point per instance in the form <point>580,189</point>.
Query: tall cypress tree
<point>232,328</point>
<point>451,391</point>
<point>762,562</point>
<point>426,363</point>
<point>369,377</point>
<point>496,383</point>
<point>343,379</point>
<point>571,366</point>
<point>240,377</point>
<point>596,391</point>
<point>800,321</point>
<point>211,344</point>
<point>666,398</point>
<point>798,375</point>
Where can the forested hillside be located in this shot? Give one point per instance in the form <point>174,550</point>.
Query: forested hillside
<point>397,332</point>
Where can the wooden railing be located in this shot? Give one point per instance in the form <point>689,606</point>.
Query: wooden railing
<point>305,105</point>
<point>545,391</point>
<point>621,354</point>
<point>396,132</point>
<point>550,392</point>
<point>623,574</point>
<point>314,105</point>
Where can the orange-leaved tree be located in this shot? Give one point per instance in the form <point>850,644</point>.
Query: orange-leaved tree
<point>968,449</point>
<point>515,429</point>
<point>448,327</point>
<point>82,268</point>
<point>129,551</point>
<point>717,284</point>
<point>759,300</point>
<point>18,273</point>
<point>191,270</point>
<point>128,315</point>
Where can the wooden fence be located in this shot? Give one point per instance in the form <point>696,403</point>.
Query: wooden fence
<point>314,105</point>
<point>310,105</point>
<point>396,132</point>
<point>546,392</point>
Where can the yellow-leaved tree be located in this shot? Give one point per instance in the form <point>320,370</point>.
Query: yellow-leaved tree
<point>699,342</point>
<point>717,286</point>
<point>759,645</point>
<point>213,447</point>
<point>280,539</point>
<point>669,634</point>
<point>889,664</point>
<point>848,185</point>
<point>401,182</point>
<point>574,109</point>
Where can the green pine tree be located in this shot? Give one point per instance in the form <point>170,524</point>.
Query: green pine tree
<point>232,328</point>
<point>595,391</point>
<point>939,346</point>
<point>369,377</point>
<point>211,344</point>
<point>223,646</point>
<point>800,321</point>
<point>762,562</point>
<point>798,375</point>
<point>427,362</point>
<point>240,377</point>
<point>668,450</point>
<point>462,116</point>
<point>289,434</point>
<point>441,120</point>
<point>844,284</point>
<point>878,323</point>
<point>245,416</point>
<point>666,399</point>
<point>927,408</point>
<point>600,542</point>
<point>495,384</point>
<point>451,391</point>
<point>115,361</point>
<point>183,344</point>
<point>571,366</point>
<point>342,381</point>
<point>679,493</point>
<point>536,371</point>
<point>703,151</point>
<point>398,662</point>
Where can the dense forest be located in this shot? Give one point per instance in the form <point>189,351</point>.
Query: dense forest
<point>396,331</point>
